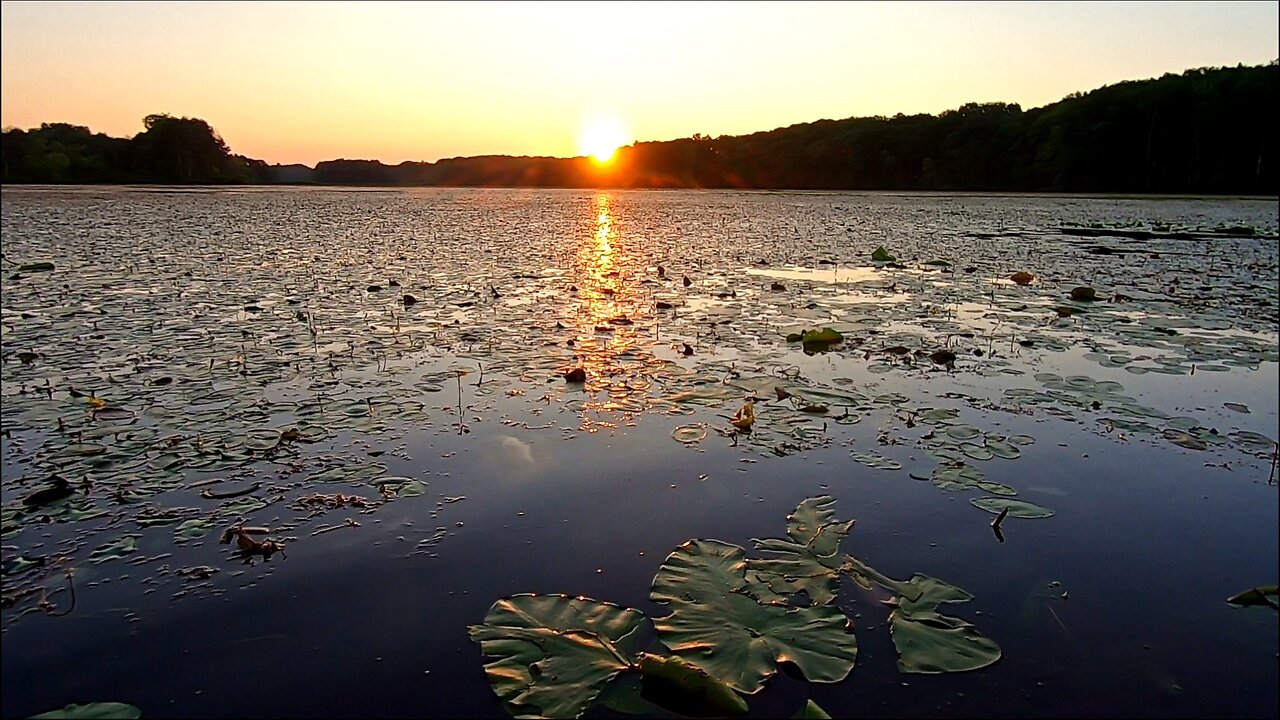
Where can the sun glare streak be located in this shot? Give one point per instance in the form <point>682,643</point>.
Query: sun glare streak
<point>608,313</point>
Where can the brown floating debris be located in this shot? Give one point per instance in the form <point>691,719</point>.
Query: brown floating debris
<point>1084,294</point>
<point>745,417</point>
<point>576,375</point>
<point>248,546</point>
<point>944,357</point>
<point>56,491</point>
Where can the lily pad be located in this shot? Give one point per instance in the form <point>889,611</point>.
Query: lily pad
<point>930,643</point>
<point>882,255</point>
<point>1265,595</point>
<point>810,561</point>
<point>92,711</point>
<point>811,711</point>
<point>192,529</point>
<point>1016,508</point>
<point>692,682</point>
<point>718,623</point>
<point>690,433</point>
<point>118,548</point>
<point>817,340</point>
<point>1184,439</point>
<point>554,654</point>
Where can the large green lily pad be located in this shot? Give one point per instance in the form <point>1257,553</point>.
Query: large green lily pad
<point>717,623</point>
<point>554,653</point>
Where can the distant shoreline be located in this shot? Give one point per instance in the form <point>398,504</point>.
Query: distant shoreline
<point>1207,132</point>
<point>178,187</point>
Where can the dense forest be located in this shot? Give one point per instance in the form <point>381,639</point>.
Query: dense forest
<point>1204,131</point>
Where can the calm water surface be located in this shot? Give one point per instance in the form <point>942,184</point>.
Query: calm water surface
<point>377,377</point>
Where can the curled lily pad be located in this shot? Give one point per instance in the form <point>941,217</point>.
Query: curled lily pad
<point>1184,439</point>
<point>118,548</point>
<point>811,711</point>
<point>957,476</point>
<point>693,681</point>
<point>875,460</point>
<point>818,340</point>
<point>413,488</point>
<point>810,560</point>
<point>1265,595</point>
<point>718,624</point>
<point>192,529</point>
<point>92,711</point>
<point>1016,508</point>
<point>928,642</point>
<point>554,654</point>
<point>690,433</point>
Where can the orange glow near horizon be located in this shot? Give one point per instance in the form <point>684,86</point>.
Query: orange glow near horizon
<point>305,82</point>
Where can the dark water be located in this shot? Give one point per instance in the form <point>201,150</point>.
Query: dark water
<point>1160,492</point>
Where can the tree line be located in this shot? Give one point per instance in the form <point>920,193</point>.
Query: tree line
<point>168,150</point>
<point>1205,130</point>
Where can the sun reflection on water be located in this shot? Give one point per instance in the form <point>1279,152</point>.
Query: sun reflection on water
<point>611,322</point>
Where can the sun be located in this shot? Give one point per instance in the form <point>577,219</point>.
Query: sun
<point>601,138</point>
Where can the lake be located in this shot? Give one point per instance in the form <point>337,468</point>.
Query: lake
<point>367,394</point>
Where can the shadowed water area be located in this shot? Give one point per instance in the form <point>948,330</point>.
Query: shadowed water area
<point>376,380</point>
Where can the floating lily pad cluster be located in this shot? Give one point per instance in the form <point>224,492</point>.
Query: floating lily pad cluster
<point>731,619</point>
<point>182,361</point>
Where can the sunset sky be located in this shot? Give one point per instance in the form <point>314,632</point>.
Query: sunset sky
<point>304,82</point>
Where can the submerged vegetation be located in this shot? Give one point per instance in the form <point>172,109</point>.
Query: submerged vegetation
<point>1205,131</point>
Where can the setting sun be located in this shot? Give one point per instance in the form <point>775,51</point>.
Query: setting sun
<point>601,138</point>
